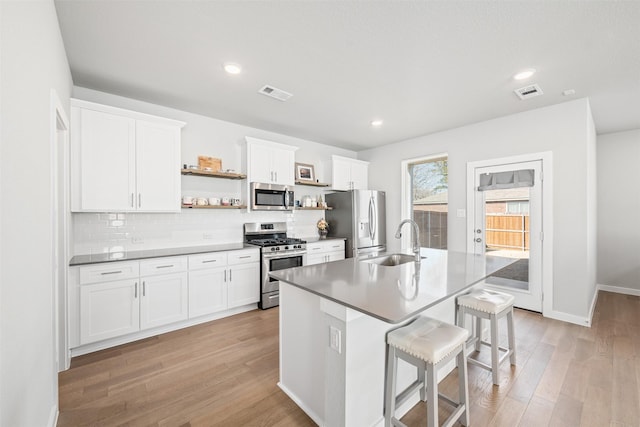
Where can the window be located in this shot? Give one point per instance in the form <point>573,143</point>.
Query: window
<point>428,187</point>
<point>520,207</point>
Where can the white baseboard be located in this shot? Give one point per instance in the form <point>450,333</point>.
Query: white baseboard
<point>315,417</point>
<point>570,318</point>
<point>619,290</point>
<point>53,415</point>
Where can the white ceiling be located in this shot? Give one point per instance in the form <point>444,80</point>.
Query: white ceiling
<point>421,66</point>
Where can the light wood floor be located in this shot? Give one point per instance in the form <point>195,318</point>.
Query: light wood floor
<point>224,373</point>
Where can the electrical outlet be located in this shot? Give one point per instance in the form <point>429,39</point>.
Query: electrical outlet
<point>137,239</point>
<point>336,339</point>
<point>461,213</point>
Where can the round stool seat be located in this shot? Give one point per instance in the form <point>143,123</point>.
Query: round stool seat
<point>428,339</point>
<point>486,300</point>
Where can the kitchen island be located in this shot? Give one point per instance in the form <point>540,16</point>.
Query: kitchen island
<point>334,318</point>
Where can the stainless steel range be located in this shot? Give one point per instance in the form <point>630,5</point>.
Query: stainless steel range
<point>277,253</point>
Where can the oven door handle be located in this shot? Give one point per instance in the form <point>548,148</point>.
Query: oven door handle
<point>283,254</point>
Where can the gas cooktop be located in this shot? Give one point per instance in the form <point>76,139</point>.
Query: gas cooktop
<point>276,242</point>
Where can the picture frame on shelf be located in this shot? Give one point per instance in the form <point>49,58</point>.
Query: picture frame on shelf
<point>305,173</point>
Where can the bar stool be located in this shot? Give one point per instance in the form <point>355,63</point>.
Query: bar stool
<point>427,344</point>
<point>492,305</point>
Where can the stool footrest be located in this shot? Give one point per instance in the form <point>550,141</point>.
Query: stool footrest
<point>407,392</point>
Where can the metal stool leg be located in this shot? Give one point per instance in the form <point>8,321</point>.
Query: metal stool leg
<point>432,398</point>
<point>512,338</point>
<point>390,392</point>
<point>463,388</point>
<point>478,335</point>
<point>495,356</point>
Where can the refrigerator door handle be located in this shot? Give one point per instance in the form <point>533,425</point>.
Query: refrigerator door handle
<point>372,219</point>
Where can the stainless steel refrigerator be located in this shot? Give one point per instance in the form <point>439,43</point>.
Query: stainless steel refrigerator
<point>359,216</point>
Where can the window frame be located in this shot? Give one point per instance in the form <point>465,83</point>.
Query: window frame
<point>406,206</point>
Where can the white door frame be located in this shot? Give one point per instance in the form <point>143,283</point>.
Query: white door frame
<point>546,159</point>
<point>59,135</point>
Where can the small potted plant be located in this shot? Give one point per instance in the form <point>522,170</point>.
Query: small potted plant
<point>323,228</point>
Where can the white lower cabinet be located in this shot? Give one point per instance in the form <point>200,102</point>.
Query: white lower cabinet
<point>242,284</point>
<point>164,300</point>
<point>164,291</point>
<point>120,298</point>
<point>325,251</point>
<point>207,291</point>
<point>109,310</point>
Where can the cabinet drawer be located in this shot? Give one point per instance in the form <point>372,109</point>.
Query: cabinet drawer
<point>208,260</point>
<point>109,272</point>
<point>244,256</point>
<point>166,265</point>
<point>326,246</point>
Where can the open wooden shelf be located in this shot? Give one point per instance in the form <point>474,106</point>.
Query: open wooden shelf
<point>213,207</point>
<point>226,175</point>
<point>312,184</point>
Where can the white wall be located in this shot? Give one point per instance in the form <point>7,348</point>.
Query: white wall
<point>32,62</point>
<point>98,233</point>
<point>618,207</point>
<point>566,130</point>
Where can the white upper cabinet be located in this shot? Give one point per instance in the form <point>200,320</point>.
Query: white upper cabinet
<point>123,161</point>
<point>270,162</point>
<point>349,174</point>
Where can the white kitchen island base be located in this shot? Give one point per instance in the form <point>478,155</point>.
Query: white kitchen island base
<point>333,323</point>
<point>339,383</point>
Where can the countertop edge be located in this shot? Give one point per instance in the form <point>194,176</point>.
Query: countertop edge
<point>104,258</point>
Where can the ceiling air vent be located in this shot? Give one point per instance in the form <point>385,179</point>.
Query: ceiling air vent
<point>529,91</point>
<point>276,93</point>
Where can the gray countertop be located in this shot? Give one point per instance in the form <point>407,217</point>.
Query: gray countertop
<point>392,293</point>
<point>154,253</point>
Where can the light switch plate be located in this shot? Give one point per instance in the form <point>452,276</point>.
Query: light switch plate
<point>461,213</point>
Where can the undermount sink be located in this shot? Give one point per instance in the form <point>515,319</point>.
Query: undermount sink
<point>391,260</point>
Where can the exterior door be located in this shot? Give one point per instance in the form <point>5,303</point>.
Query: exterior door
<point>508,223</point>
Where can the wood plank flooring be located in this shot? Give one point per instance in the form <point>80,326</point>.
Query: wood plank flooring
<point>224,373</point>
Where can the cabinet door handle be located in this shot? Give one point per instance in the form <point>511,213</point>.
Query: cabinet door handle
<point>135,290</point>
<point>209,260</point>
<point>132,196</point>
<point>144,289</point>
<point>230,279</point>
<point>244,257</point>
<point>164,266</point>
<point>139,200</point>
<point>225,275</point>
<point>104,273</point>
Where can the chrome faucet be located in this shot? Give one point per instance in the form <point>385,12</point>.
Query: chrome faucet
<point>416,234</point>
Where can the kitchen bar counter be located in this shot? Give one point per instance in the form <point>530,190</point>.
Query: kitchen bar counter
<point>334,318</point>
<point>154,253</point>
<point>389,293</point>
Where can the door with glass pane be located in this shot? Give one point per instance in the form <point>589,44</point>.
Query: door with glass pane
<point>508,223</point>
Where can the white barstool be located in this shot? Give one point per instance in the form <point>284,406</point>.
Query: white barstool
<point>427,344</point>
<point>492,305</point>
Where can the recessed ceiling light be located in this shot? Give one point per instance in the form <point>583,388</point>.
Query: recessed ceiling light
<point>376,123</point>
<point>525,74</point>
<point>232,68</point>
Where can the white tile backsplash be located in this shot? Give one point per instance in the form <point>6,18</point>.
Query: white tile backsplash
<point>108,232</point>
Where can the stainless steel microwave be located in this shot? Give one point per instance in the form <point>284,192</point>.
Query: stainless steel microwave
<point>271,197</point>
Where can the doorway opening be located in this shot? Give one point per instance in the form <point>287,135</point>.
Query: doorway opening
<point>509,209</point>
